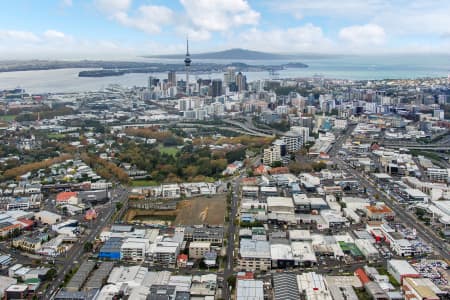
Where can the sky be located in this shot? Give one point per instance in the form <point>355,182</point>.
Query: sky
<point>109,29</point>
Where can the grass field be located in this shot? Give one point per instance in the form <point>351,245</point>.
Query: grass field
<point>56,136</point>
<point>137,183</point>
<point>168,150</point>
<point>426,154</point>
<point>8,118</point>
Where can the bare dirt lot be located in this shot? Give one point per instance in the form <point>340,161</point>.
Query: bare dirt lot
<point>193,211</point>
<point>201,210</point>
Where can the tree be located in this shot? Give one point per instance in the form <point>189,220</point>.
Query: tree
<point>319,166</point>
<point>235,155</point>
<point>276,164</point>
<point>23,169</point>
<point>231,280</point>
<point>65,210</point>
<point>51,273</point>
<point>119,206</point>
<point>190,171</point>
<point>88,246</point>
<point>14,233</point>
<point>299,167</point>
<point>171,141</point>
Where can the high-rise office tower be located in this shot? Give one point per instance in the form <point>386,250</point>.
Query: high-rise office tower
<point>216,88</point>
<point>229,77</point>
<point>172,77</point>
<point>150,83</point>
<point>241,82</point>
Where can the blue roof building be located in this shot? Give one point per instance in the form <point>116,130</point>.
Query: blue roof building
<point>111,249</point>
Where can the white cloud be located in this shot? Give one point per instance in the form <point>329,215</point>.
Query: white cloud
<point>18,35</point>
<point>49,45</point>
<point>111,7</point>
<point>399,17</point>
<point>198,20</point>
<point>54,44</point>
<point>54,34</point>
<point>307,38</point>
<point>332,8</point>
<point>193,34</point>
<point>149,18</point>
<point>220,15</point>
<point>363,35</point>
<point>66,3</point>
<point>414,21</point>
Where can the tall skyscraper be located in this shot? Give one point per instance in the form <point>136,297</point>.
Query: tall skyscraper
<point>229,77</point>
<point>241,82</point>
<point>187,64</point>
<point>150,83</point>
<point>172,76</point>
<point>216,88</point>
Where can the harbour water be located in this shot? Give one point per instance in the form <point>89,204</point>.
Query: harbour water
<point>343,67</point>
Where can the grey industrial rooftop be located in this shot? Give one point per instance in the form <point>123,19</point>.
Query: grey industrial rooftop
<point>285,286</point>
<point>80,276</point>
<point>99,276</point>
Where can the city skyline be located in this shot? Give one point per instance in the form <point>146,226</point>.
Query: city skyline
<point>71,29</point>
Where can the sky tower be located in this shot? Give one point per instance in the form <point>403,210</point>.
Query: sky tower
<point>187,64</point>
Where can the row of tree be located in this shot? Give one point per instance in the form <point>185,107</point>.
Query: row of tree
<point>297,167</point>
<point>46,113</point>
<point>165,137</point>
<point>25,168</point>
<point>106,169</point>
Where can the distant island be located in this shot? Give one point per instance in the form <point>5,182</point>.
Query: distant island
<point>234,54</point>
<point>117,68</point>
<point>195,68</point>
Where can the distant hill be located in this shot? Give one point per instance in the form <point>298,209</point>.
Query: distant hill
<point>235,54</point>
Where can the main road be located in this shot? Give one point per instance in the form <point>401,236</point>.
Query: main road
<point>74,255</point>
<point>229,266</point>
<point>424,232</point>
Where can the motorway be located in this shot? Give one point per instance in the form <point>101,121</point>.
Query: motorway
<point>424,232</point>
<point>416,146</point>
<point>248,126</point>
<point>75,254</point>
<point>228,271</point>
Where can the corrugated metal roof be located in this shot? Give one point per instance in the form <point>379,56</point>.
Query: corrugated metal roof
<point>285,286</point>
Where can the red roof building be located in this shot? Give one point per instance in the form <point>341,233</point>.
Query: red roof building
<point>182,260</point>
<point>362,276</point>
<point>379,212</point>
<point>249,181</point>
<point>260,170</point>
<point>27,224</point>
<point>245,275</point>
<point>67,197</point>
<point>8,228</point>
<point>279,170</point>
<point>374,147</point>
